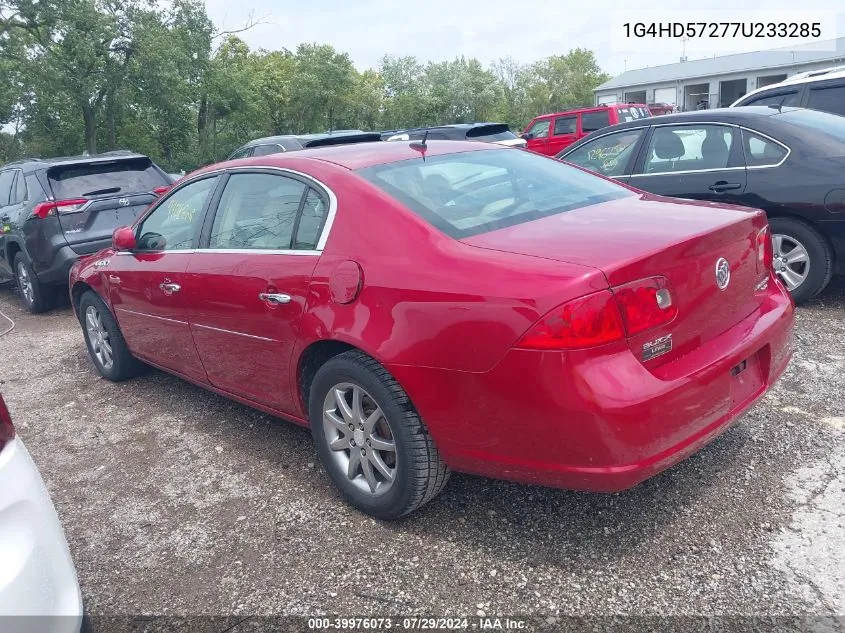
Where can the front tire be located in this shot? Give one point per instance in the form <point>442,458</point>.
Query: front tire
<point>104,340</point>
<point>802,258</point>
<point>36,297</point>
<point>370,439</point>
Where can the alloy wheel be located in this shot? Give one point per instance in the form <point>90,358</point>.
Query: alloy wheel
<point>791,260</point>
<point>359,436</point>
<point>25,284</point>
<point>98,337</point>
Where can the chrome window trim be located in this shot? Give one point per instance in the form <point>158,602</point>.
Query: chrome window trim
<point>260,251</point>
<point>151,316</point>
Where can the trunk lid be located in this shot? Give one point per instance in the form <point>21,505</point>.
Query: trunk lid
<point>639,237</point>
<point>117,191</point>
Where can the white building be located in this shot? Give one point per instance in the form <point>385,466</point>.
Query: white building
<point>719,81</point>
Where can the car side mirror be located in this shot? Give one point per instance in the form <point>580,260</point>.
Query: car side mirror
<point>123,239</point>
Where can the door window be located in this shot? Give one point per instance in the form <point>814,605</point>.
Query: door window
<point>540,129</point>
<point>258,211</point>
<point>311,221</point>
<point>608,155</point>
<point>831,99</point>
<point>6,179</point>
<point>688,148</point>
<point>264,150</point>
<point>175,222</point>
<point>241,153</point>
<point>20,185</point>
<point>565,125</point>
<point>760,151</point>
<point>780,98</point>
<point>592,121</point>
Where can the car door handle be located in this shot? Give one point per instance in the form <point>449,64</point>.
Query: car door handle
<point>274,297</point>
<point>169,288</point>
<point>724,186</point>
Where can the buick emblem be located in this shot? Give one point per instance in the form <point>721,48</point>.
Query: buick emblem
<point>723,273</point>
<point>124,202</point>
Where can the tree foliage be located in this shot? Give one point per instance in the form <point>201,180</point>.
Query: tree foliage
<point>155,77</point>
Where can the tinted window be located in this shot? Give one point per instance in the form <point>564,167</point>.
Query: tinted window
<point>565,125</point>
<point>20,185</point>
<point>135,175</point>
<point>592,121</point>
<point>688,148</point>
<point>775,99</point>
<point>257,211</point>
<point>608,155</point>
<point>490,133</point>
<point>475,192</point>
<point>7,178</point>
<point>760,151</point>
<point>831,125</point>
<point>828,99</point>
<point>311,221</point>
<point>540,129</point>
<point>264,150</point>
<point>175,222</point>
<point>241,153</point>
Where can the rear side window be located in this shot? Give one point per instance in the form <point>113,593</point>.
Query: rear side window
<point>830,99</point>
<point>265,150</point>
<point>592,121</point>
<point>632,113</point>
<point>565,125</point>
<point>781,99</point>
<point>7,178</point>
<point>490,133</point>
<point>136,175</point>
<point>688,148</point>
<point>608,155</point>
<point>760,151</point>
<point>241,153</point>
<point>20,185</point>
<point>469,193</point>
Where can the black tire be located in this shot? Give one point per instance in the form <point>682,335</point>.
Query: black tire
<point>35,296</point>
<point>123,364</point>
<point>818,249</point>
<point>420,473</point>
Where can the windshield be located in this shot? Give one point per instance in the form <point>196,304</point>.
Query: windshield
<point>830,124</point>
<point>469,193</point>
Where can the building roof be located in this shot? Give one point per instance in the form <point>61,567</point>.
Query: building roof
<point>758,60</point>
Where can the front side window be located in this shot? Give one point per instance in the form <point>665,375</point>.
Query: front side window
<point>760,151</point>
<point>241,153</point>
<point>565,125</point>
<point>257,211</point>
<point>688,148</point>
<point>777,99</point>
<point>469,193</point>
<point>540,129</point>
<point>175,223</point>
<point>608,155</point>
<point>592,121</point>
<point>828,99</point>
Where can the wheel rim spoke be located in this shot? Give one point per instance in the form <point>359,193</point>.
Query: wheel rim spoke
<point>792,278</point>
<point>331,417</point>
<point>340,443</point>
<point>777,244</point>
<point>386,472</point>
<point>370,422</point>
<point>342,405</point>
<point>796,255</point>
<point>354,463</point>
<point>369,475</point>
<point>380,444</point>
<point>357,407</point>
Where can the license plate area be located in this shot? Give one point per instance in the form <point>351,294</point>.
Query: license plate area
<point>746,381</point>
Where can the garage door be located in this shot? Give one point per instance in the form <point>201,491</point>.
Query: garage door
<point>666,95</point>
<point>607,99</point>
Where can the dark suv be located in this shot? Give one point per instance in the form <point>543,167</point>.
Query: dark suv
<point>52,211</point>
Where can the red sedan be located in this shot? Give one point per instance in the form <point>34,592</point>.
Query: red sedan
<point>449,306</point>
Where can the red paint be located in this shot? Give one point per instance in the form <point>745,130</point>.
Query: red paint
<point>445,317</point>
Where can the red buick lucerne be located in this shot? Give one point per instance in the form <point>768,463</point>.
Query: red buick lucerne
<point>449,306</point>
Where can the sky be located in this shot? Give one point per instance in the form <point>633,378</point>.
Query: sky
<point>527,30</point>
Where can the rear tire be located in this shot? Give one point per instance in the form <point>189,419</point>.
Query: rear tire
<point>794,235</point>
<point>36,297</point>
<point>104,340</point>
<point>416,471</point>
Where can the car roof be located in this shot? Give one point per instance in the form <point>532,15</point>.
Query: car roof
<point>736,115</point>
<point>811,76</point>
<point>74,160</point>
<point>362,155</point>
<point>601,106</point>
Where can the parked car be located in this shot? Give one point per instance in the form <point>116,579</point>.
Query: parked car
<point>817,89</point>
<point>38,576</point>
<point>53,211</point>
<point>657,109</point>
<point>550,133</point>
<point>498,133</point>
<point>292,142</point>
<point>453,306</point>
<point>788,163</point>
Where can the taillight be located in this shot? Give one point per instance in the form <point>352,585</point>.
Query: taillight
<point>7,431</point>
<point>645,304</point>
<point>765,250</point>
<point>58,207</point>
<point>589,321</point>
<point>160,191</point>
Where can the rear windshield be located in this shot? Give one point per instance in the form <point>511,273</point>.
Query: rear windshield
<point>632,113</point>
<point>491,133</point>
<point>469,193</point>
<point>829,124</point>
<point>135,175</point>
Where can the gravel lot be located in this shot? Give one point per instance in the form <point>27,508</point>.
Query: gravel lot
<point>178,502</point>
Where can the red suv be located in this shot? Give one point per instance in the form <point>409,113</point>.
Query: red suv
<point>549,133</point>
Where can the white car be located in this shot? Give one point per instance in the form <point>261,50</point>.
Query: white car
<point>37,576</point>
<point>817,90</point>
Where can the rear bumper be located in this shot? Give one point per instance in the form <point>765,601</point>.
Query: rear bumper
<point>57,272</point>
<point>37,576</point>
<point>599,421</point>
